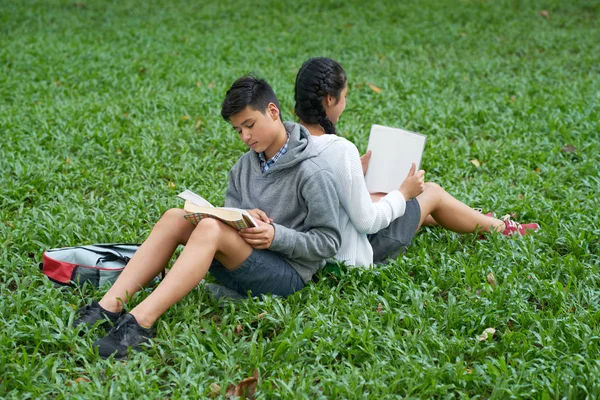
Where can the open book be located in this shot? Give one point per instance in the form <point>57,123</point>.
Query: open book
<point>393,152</point>
<point>199,208</point>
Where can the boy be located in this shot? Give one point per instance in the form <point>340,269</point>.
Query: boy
<point>281,176</point>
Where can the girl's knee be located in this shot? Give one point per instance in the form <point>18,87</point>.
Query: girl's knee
<point>432,186</point>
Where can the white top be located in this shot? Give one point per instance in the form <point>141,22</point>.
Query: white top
<point>358,215</point>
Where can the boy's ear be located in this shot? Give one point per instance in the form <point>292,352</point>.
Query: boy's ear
<point>273,111</point>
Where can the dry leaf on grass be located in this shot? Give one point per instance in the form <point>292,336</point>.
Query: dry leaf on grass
<point>77,381</point>
<point>475,162</point>
<point>380,309</point>
<point>569,149</point>
<point>488,333</point>
<point>492,280</point>
<point>245,388</point>
<point>374,88</point>
<point>261,315</point>
<point>545,14</point>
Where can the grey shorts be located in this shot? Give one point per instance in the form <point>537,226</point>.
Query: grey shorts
<point>389,242</point>
<point>263,272</point>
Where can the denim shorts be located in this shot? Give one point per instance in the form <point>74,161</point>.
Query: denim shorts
<point>263,272</point>
<point>389,242</point>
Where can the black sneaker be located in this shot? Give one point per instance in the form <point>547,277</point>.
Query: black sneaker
<point>126,333</point>
<point>92,313</point>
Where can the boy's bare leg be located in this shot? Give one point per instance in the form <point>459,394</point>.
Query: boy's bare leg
<point>211,239</point>
<point>452,214</point>
<point>150,259</point>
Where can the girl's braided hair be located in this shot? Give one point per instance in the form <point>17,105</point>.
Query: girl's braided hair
<point>317,78</point>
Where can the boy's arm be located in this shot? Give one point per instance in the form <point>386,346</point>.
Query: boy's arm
<point>322,237</point>
<point>232,195</point>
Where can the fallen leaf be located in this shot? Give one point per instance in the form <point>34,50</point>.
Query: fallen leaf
<point>245,389</point>
<point>569,149</point>
<point>468,370</point>
<point>488,333</point>
<point>374,88</point>
<point>126,115</point>
<point>211,85</point>
<point>238,329</point>
<point>77,381</point>
<point>261,315</point>
<point>198,84</point>
<point>475,162</point>
<point>185,117</point>
<point>171,185</point>
<point>538,170</point>
<point>119,151</point>
<point>380,309</point>
<point>215,390</point>
<point>492,280</point>
<point>545,14</point>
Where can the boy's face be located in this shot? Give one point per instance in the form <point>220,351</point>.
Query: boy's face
<point>261,132</point>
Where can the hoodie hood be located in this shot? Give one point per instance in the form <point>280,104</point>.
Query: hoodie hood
<point>300,148</point>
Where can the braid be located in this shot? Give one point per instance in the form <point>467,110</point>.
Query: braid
<point>317,78</point>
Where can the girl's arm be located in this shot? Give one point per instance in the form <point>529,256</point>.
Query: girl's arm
<point>366,216</point>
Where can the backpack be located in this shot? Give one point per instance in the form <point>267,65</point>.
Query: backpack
<point>98,264</point>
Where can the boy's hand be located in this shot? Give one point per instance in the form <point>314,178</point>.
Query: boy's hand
<point>260,237</point>
<point>260,215</point>
<point>414,183</point>
<point>364,160</point>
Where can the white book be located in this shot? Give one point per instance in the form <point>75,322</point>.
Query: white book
<point>393,152</point>
<point>194,198</point>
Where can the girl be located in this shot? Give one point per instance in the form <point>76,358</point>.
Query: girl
<point>392,219</point>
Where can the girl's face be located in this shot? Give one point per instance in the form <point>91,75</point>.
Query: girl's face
<point>335,107</point>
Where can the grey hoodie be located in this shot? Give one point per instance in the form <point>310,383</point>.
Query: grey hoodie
<point>298,192</point>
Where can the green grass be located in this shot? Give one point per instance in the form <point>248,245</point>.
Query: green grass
<point>110,108</point>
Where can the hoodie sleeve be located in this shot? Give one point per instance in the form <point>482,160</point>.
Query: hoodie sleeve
<point>321,238</point>
<point>366,216</point>
<point>233,197</point>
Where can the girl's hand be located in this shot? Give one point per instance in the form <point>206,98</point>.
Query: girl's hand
<point>260,237</point>
<point>364,160</point>
<point>414,183</point>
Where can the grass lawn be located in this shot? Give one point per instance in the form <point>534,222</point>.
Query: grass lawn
<point>109,108</point>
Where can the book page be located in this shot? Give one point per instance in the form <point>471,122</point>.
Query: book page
<point>194,198</point>
<point>393,152</point>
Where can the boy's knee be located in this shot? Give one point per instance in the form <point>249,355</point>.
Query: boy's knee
<point>174,214</point>
<point>208,227</point>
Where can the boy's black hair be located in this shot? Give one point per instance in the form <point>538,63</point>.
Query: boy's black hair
<point>317,78</point>
<point>248,91</point>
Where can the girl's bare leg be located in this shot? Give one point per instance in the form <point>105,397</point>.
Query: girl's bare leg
<point>452,214</point>
<point>150,259</point>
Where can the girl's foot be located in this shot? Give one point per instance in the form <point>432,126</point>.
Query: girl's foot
<point>513,228</point>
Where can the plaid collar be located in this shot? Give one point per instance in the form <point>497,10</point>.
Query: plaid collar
<point>265,164</point>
